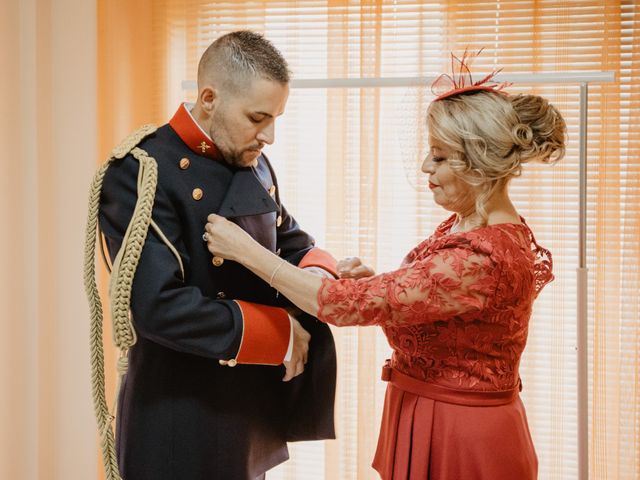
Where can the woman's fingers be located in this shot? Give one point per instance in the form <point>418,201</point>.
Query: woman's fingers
<point>346,265</point>
<point>361,271</point>
<point>213,218</point>
<point>218,235</point>
<point>352,267</point>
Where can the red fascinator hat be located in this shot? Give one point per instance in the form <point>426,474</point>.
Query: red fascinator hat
<point>461,81</point>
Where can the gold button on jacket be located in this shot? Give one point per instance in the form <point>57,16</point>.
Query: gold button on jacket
<point>197,193</point>
<point>217,261</point>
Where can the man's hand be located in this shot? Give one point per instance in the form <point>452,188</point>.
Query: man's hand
<point>301,338</point>
<point>352,267</point>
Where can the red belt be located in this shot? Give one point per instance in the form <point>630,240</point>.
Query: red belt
<point>472,398</point>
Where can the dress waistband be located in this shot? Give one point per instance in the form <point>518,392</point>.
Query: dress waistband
<point>472,398</point>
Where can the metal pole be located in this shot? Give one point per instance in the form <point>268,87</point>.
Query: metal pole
<point>563,78</point>
<point>582,299</point>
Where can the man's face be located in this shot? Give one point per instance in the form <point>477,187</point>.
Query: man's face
<point>243,122</point>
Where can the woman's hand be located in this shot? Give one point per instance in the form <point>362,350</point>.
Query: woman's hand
<point>352,267</point>
<point>226,239</point>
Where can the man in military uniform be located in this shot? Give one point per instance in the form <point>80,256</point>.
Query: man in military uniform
<point>183,412</point>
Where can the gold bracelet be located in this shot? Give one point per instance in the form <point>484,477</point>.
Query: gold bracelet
<point>275,270</point>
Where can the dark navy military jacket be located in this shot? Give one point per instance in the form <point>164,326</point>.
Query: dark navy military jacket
<point>182,415</point>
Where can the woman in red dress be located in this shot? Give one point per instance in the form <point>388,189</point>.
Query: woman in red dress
<point>456,312</point>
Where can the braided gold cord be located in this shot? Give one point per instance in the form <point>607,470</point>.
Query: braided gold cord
<point>126,261</point>
<point>120,286</point>
<point>133,139</point>
<point>103,417</point>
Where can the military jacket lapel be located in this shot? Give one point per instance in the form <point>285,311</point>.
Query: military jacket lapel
<point>246,197</point>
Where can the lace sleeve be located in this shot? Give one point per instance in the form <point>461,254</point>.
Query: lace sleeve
<point>449,282</point>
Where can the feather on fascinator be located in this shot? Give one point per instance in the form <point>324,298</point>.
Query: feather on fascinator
<point>461,80</point>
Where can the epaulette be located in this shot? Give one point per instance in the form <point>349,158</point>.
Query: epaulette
<point>133,139</point>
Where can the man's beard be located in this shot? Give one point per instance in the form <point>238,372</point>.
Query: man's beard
<point>235,159</point>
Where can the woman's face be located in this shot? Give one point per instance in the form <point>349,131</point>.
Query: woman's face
<point>449,190</point>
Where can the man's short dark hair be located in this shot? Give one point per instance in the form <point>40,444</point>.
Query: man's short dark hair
<point>237,57</point>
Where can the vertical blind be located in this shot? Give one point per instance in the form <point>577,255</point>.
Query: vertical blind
<point>347,162</point>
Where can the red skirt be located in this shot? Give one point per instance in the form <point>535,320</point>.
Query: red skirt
<point>430,432</point>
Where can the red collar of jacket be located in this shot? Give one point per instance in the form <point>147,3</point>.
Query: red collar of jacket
<point>192,134</point>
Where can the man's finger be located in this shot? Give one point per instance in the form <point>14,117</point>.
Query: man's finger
<point>289,374</point>
<point>293,370</point>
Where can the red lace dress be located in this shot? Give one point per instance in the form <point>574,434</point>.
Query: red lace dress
<point>456,314</point>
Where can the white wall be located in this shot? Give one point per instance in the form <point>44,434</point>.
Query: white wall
<point>48,138</point>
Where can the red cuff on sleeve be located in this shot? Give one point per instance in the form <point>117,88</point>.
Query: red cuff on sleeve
<point>265,334</point>
<point>316,257</point>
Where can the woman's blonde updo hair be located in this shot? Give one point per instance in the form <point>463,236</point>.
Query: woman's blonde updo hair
<point>491,135</point>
